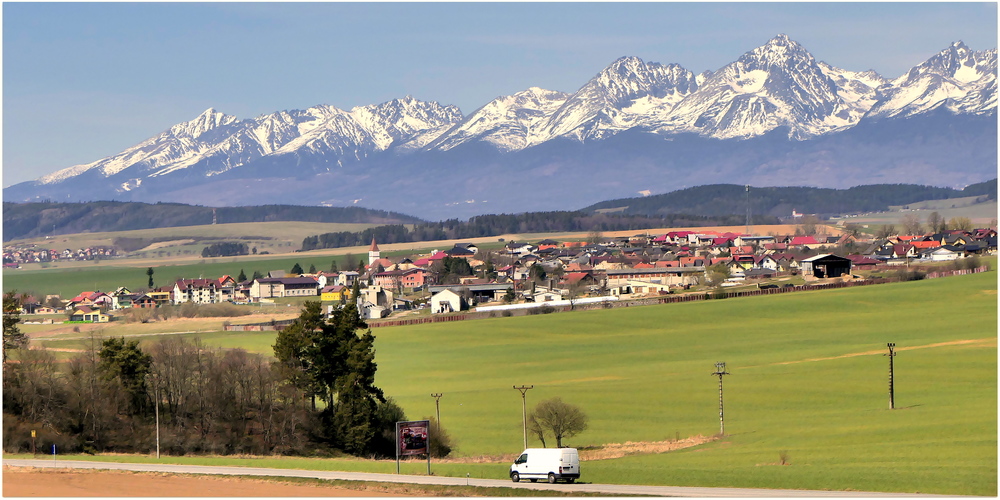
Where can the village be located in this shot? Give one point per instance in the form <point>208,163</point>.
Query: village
<point>525,275</point>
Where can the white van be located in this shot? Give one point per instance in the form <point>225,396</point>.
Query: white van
<point>552,464</point>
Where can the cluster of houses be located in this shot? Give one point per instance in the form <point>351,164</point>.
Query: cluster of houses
<point>13,257</point>
<point>549,270</point>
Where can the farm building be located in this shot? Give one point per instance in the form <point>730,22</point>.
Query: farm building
<point>826,266</point>
<point>447,301</point>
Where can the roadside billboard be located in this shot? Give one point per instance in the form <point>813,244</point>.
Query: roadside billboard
<point>412,437</point>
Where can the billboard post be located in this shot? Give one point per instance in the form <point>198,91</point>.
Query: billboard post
<point>413,438</point>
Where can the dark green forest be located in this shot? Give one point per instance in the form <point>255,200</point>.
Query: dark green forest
<point>29,220</point>
<point>723,199</point>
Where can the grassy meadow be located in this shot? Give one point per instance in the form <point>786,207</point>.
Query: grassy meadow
<point>275,236</point>
<point>808,379</point>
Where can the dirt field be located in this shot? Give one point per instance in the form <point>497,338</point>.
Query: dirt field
<point>30,482</point>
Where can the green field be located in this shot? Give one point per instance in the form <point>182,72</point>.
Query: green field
<point>283,236</point>
<point>981,214</point>
<point>808,378</point>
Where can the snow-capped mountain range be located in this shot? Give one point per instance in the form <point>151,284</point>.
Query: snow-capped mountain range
<point>776,90</point>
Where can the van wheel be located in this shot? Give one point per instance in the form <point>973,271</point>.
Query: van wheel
<point>570,480</point>
<point>515,477</point>
<point>533,480</point>
<point>552,478</point>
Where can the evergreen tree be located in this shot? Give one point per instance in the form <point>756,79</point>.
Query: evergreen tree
<point>124,361</point>
<point>257,275</point>
<point>355,414</point>
<point>242,277</point>
<point>13,337</point>
<point>312,268</point>
<point>329,359</point>
<point>296,269</point>
<point>292,350</point>
<point>333,266</point>
<point>149,272</point>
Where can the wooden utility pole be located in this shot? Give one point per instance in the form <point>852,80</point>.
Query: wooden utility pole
<point>720,370</point>
<point>892,395</point>
<point>524,411</point>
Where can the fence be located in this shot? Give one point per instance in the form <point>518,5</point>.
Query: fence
<point>957,272</point>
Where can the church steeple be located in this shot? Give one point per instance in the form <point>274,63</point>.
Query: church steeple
<point>373,252</point>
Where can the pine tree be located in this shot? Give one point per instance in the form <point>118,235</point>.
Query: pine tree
<point>296,269</point>
<point>13,337</point>
<point>257,275</point>
<point>149,272</point>
<point>333,266</point>
<point>312,268</point>
<point>124,361</point>
<point>242,277</point>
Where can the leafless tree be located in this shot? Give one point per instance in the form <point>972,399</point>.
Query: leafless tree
<point>911,224</point>
<point>935,222</point>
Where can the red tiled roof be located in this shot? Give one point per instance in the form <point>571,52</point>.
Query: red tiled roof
<point>803,240</point>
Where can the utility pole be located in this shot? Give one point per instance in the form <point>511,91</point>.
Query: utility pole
<point>524,411</point>
<point>156,410</point>
<point>437,405</point>
<point>720,370</point>
<point>892,354</point>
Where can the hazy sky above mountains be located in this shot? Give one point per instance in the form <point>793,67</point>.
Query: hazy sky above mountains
<point>83,81</point>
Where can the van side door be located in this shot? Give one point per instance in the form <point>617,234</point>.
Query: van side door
<point>521,464</point>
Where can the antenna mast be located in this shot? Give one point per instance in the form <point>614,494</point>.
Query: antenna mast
<point>748,210</point>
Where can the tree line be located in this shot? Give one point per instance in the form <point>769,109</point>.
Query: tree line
<point>531,222</point>
<point>317,397</point>
<point>225,249</point>
<point>718,199</point>
<point>27,220</point>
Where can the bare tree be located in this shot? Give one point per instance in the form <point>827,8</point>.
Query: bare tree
<point>935,222</point>
<point>809,224</point>
<point>960,223</point>
<point>911,224</point>
<point>852,229</point>
<point>563,420</point>
<point>885,231</point>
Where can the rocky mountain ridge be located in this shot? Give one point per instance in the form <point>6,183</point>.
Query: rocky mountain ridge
<point>775,92</point>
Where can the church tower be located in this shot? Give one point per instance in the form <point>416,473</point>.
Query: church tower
<point>373,253</point>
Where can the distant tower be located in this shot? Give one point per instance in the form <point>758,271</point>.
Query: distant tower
<point>373,253</point>
<point>748,209</point>
<point>214,219</point>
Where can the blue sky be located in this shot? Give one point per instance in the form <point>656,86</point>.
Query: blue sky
<point>82,81</point>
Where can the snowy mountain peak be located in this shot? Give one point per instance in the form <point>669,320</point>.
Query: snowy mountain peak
<point>957,79</point>
<point>206,121</point>
<point>778,52</point>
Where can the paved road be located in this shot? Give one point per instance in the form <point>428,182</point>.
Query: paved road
<point>609,489</point>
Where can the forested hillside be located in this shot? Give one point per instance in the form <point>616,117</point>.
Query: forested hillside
<point>724,199</point>
<point>28,220</point>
